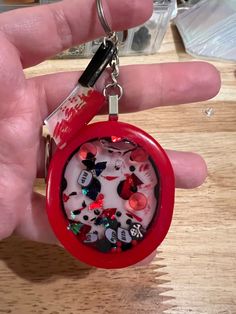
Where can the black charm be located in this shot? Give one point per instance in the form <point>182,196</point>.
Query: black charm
<point>136,231</point>
<point>98,63</point>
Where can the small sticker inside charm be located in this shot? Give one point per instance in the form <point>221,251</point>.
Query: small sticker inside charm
<point>85,178</point>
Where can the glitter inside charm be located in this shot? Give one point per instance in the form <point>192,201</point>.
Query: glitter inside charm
<point>110,195</point>
<point>107,191</point>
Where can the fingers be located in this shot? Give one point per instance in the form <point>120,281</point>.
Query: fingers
<point>189,168</point>
<point>42,31</point>
<point>190,171</point>
<point>145,86</point>
<point>159,86</point>
<point>12,80</point>
<point>34,224</point>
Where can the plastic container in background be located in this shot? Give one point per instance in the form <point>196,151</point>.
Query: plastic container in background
<point>145,39</point>
<point>208,29</point>
<point>6,5</point>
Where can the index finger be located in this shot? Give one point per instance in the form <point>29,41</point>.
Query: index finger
<point>43,31</point>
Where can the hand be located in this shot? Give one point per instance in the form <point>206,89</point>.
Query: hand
<point>29,36</point>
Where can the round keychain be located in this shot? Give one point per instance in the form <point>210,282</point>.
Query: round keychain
<point>110,185</point>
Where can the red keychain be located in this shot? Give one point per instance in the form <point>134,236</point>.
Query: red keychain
<point>110,185</point>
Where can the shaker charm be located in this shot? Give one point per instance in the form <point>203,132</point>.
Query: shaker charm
<point>110,185</point>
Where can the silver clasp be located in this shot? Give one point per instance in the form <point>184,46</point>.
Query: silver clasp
<point>113,107</point>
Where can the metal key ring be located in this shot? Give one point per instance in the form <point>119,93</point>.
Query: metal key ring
<point>102,18</point>
<point>110,33</point>
<point>113,86</point>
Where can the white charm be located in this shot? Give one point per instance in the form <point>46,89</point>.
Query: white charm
<point>85,178</point>
<point>91,238</point>
<point>111,235</point>
<point>123,235</point>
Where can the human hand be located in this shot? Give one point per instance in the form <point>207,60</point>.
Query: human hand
<point>29,36</point>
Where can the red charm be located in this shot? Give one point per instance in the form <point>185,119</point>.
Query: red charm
<point>78,108</point>
<point>109,178</point>
<point>83,232</point>
<point>65,128</point>
<point>137,201</point>
<point>140,185</point>
<point>129,186</point>
<point>116,139</point>
<point>87,149</point>
<point>109,213</point>
<point>65,198</point>
<point>139,155</point>
<point>135,216</point>
<point>98,204</point>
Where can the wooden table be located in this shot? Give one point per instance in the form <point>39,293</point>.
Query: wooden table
<point>195,269</point>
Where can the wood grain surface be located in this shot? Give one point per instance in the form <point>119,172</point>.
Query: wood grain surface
<point>195,269</point>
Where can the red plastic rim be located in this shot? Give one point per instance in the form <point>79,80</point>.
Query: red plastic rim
<point>161,222</point>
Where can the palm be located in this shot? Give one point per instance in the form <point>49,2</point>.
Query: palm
<point>21,122</point>
<point>25,103</point>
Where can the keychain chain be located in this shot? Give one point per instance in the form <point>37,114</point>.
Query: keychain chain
<point>113,91</point>
<point>114,85</point>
